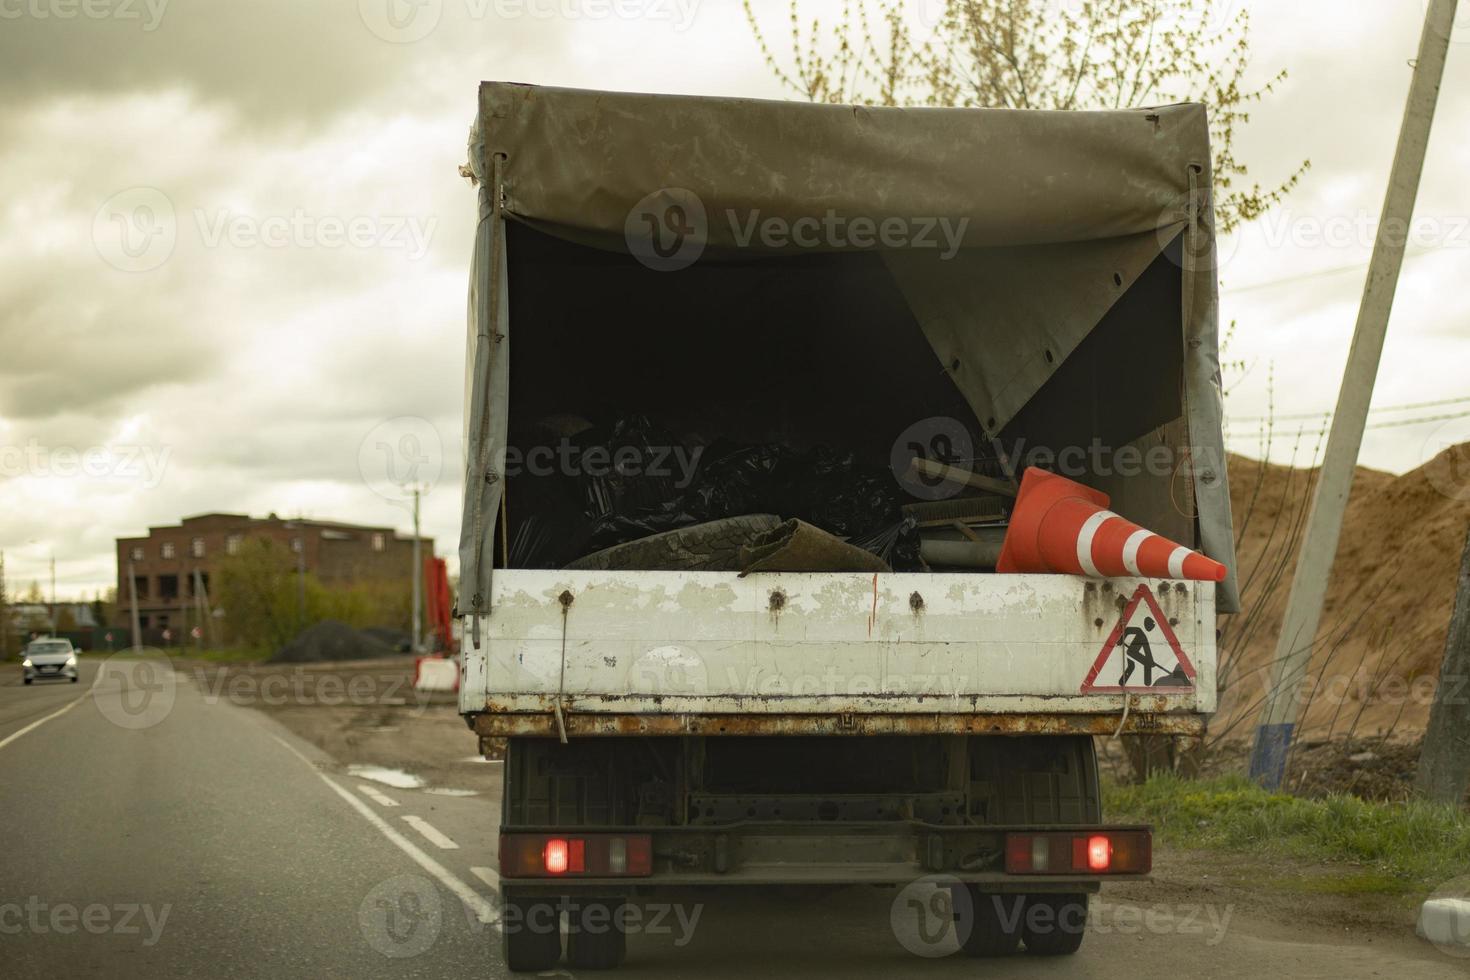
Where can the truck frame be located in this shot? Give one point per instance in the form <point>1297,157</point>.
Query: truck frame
<point>667,728</point>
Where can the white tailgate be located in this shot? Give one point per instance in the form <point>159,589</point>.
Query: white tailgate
<point>712,642</point>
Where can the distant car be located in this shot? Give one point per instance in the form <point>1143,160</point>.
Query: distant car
<point>49,658</point>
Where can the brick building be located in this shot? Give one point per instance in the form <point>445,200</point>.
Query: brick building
<point>163,563</point>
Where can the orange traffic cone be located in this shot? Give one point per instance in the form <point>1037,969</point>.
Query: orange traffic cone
<point>1062,526</point>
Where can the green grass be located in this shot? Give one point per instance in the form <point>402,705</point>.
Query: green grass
<point>1396,846</point>
<point>1355,883</point>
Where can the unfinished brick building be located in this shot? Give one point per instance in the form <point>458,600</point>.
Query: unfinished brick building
<point>164,562</point>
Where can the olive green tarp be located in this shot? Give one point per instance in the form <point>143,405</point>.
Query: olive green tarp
<point>1060,264</point>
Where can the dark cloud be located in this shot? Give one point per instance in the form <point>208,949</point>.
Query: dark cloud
<point>273,58</point>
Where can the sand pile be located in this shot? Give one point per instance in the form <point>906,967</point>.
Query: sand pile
<point>1382,637</point>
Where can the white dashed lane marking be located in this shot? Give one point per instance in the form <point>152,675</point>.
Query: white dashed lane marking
<point>431,833</point>
<point>482,907</point>
<point>380,798</point>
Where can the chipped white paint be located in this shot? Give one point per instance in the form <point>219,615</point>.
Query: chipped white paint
<point>668,642</point>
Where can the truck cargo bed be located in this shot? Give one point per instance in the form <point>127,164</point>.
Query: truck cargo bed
<point>671,653</point>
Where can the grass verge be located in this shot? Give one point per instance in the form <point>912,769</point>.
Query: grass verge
<point>1405,847</point>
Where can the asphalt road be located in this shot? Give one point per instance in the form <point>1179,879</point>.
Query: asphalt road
<point>152,832</point>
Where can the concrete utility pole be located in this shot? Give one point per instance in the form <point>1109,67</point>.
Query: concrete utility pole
<point>206,615</point>
<point>133,598</point>
<point>1324,523</point>
<point>4,613</point>
<point>301,575</point>
<point>1444,762</point>
<point>418,579</point>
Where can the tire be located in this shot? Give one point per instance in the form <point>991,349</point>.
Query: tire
<point>710,547</point>
<point>1054,924</point>
<point>595,939</point>
<point>74,680</point>
<point>995,922</point>
<point>527,945</point>
<point>28,680</point>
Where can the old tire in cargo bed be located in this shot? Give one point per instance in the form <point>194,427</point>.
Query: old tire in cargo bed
<point>710,547</point>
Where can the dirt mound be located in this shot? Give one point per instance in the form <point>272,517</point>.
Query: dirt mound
<point>1377,653</point>
<point>331,640</point>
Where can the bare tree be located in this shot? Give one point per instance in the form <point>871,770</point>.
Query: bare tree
<point>1041,54</point>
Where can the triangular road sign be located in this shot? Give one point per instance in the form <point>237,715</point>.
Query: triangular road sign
<point>1141,654</point>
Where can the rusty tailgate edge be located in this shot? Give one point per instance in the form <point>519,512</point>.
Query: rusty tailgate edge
<point>502,724</point>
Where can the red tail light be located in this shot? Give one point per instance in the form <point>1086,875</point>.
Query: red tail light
<point>592,855</point>
<point>555,856</point>
<point>1092,852</point>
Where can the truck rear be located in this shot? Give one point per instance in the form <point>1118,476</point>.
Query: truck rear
<point>750,386</point>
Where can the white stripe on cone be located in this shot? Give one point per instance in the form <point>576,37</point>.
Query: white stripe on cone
<point>1176,561</point>
<point>1130,550</point>
<point>1084,541</point>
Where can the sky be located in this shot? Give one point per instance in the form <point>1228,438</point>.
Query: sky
<point>234,243</point>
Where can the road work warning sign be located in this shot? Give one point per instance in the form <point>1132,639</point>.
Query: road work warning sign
<point>1141,654</point>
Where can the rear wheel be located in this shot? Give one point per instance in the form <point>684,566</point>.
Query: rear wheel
<point>595,936</point>
<point>28,680</point>
<point>531,934</point>
<point>1054,924</point>
<point>995,922</point>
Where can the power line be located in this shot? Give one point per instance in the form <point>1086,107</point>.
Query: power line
<point>1327,414</point>
<point>1250,287</point>
<point>1395,423</point>
<point>1429,418</point>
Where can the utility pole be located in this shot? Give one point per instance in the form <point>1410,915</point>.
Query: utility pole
<point>1324,523</point>
<point>418,579</point>
<point>1444,762</point>
<point>201,604</point>
<point>300,575</point>
<point>4,613</point>
<point>133,598</point>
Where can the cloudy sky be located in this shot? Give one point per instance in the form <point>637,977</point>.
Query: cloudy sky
<point>234,244</point>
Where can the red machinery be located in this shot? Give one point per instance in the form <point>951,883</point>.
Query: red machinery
<point>437,602</point>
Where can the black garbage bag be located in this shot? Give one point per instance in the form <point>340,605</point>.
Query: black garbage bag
<point>625,467</point>
<point>622,481</point>
<point>734,479</point>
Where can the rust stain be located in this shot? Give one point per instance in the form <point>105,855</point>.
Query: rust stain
<point>873,616</point>
<point>499,724</point>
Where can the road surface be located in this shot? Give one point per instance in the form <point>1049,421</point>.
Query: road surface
<point>153,831</point>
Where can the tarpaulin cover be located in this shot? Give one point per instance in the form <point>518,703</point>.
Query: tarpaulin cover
<point>1052,216</point>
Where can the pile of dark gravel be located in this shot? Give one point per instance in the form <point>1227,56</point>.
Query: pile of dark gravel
<point>332,640</point>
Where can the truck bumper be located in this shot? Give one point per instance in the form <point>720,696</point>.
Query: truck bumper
<point>826,854</point>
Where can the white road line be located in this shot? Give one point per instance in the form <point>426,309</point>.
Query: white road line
<point>55,714</point>
<point>489,876</point>
<point>477,903</point>
<point>382,799</point>
<point>433,834</point>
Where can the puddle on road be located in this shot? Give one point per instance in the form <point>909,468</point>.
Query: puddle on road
<point>396,778</point>
<point>445,791</point>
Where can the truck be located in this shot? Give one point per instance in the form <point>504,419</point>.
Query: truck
<point>961,292</point>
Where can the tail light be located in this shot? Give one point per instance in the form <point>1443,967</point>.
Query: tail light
<point>587,855</point>
<point>1090,852</point>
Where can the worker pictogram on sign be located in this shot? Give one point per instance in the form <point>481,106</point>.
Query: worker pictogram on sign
<point>1141,653</point>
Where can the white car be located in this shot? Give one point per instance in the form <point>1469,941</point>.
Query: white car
<point>48,658</point>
